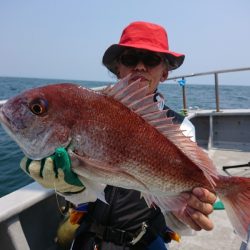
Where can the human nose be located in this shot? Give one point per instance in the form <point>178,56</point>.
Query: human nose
<point>140,66</point>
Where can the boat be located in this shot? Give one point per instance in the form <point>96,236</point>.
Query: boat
<point>29,216</point>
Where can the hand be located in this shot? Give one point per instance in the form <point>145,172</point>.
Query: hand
<point>54,172</point>
<point>199,206</point>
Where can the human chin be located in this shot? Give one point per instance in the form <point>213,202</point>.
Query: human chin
<point>144,81</point>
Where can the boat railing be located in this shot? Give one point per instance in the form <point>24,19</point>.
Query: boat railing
<point>182,79</point>
<point>216,73</point>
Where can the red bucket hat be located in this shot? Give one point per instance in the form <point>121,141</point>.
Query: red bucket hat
<point>143,35</point>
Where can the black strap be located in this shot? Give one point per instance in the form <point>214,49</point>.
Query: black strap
<point>155,228</point>
<point>115,235</point>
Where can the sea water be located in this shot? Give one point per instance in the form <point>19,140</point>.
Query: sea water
<point>197,96</point>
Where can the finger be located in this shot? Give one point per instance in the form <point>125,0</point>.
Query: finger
<point>199,219</point>
<point>204,195</point>
<point>34,170</point>
<point>187,219</point>
<point>48,171</point>
<point>25,164</point>
<point>197,204</point>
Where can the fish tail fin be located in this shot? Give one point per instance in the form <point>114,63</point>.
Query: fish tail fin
<point>234,192</point>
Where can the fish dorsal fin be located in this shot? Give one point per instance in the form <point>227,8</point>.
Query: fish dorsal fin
<point>134,96</point>
<point>112,90</point>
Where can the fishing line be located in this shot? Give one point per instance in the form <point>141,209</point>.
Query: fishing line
<point>63,211</point>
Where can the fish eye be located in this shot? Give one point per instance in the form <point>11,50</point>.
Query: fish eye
<point>38,106</point>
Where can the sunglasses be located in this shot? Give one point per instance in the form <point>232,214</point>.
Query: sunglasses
<point>131,59</point>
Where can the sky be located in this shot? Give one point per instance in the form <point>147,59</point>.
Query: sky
<point>66,39</point>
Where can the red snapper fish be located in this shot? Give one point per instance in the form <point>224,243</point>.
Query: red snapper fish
<point>119,137</point>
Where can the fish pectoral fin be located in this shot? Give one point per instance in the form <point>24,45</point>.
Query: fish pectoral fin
<point>176,202</point>
<point>101,168</point>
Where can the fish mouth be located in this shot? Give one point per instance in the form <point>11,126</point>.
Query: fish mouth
<point>7,123</point>
<point>4,120</point>
<point>3,117</point>
<point>2,103</point>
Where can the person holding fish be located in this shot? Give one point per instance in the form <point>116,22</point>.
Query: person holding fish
<point>124,220</point>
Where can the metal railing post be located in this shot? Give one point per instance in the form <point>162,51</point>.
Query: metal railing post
<point>184,99</point>
<point>216,81</point>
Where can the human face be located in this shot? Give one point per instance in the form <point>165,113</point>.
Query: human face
<point>147,66</point>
